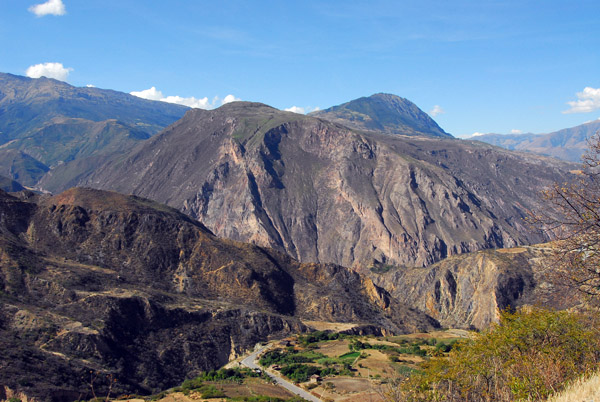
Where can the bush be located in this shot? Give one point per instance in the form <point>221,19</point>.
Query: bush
<point>528,355</point>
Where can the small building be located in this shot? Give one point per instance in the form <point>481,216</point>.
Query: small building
<point>314,379</point>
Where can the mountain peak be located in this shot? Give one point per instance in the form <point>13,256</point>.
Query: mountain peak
<point>387,113</point>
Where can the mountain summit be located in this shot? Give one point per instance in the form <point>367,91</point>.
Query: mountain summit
<point>385,113</point>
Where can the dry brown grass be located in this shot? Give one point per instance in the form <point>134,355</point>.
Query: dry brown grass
<point>329,326</point>
<point>334,348</point>
<point>583,390</point>
<point>514,250</point>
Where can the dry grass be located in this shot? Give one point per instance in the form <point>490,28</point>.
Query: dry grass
<point>329,326</point>
<point>514,250</point>
<point>334,348</point>
<point>583,390</point>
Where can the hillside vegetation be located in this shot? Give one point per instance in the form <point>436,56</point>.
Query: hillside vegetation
<point>528,355</point>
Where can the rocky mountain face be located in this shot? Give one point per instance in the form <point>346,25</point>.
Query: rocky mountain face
<point>322,192</point>
<point>98,284</point>
<point>383,113</point>
<point>568,144</point>
<point>53,124</point>
<point>469,290</point>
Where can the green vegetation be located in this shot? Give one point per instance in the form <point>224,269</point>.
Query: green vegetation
<point>302,372</point>
<point>528,355</point>
<point>319,336</point>
<point>209,390</point>
<point>350,356</point>
<point>289,357</point>
<point>410,349</point>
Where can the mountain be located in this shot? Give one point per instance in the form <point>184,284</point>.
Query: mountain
<point>26,104</point>
<point>9,185</point>
<point>94,281</point>
<point>52,124</point>
<point>383,113</point>
<point>21,167</point>
<point>469,290</point>
<point>568,144</point>
<point>322,192</point>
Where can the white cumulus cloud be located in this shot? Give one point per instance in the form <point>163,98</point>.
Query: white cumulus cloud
<point>51,7</point>
<point>200,103</point>
<point>587,101</point>
<point>302,110</point>
<point>437,109</point>
<point>296,109</point>
<point>515,131</point>
<point>477,134</point>
<point>50,70</point>
<point>152,94</point>
<point>229,98</point>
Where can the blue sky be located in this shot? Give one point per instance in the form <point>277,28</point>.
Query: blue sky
<point>488,66</point>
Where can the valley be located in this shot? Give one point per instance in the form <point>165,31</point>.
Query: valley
<point>144,246</point>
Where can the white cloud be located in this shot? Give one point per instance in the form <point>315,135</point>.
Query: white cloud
<point>152,94</point>
<point>515,131</point>
<point>230,98</point>
<point>51,7</point>
<point>302,110</point>
<point>296,109</point>
<point>90,86</point>
<point>50,70</point>
<point>200,103</point>
<point>477,134</point>
<point>588,101</point>
<point>437,109</point>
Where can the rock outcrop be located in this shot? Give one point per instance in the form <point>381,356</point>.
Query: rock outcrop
<point>469,291</point>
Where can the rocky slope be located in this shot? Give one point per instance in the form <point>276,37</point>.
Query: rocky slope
<point>383,113</point>
<point>325,193</point>
<point>98,284</point>
<point>568,144</point>
<point>469,290</point>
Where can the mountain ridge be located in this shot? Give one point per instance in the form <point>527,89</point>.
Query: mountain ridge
<point>567,144</point>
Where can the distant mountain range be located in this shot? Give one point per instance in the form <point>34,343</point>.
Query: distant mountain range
<point>568,144</point>
<point>45,123</point>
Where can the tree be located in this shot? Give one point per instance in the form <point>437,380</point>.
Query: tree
<point>572,219</point>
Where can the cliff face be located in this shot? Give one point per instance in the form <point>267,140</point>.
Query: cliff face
<point>468,291</point>
<point>116,285</point>
<point>324,193</point>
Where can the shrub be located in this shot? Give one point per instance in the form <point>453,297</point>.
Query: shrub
<point>528,355</point>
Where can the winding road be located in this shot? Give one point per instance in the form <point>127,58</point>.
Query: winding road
<point>250,362</point>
